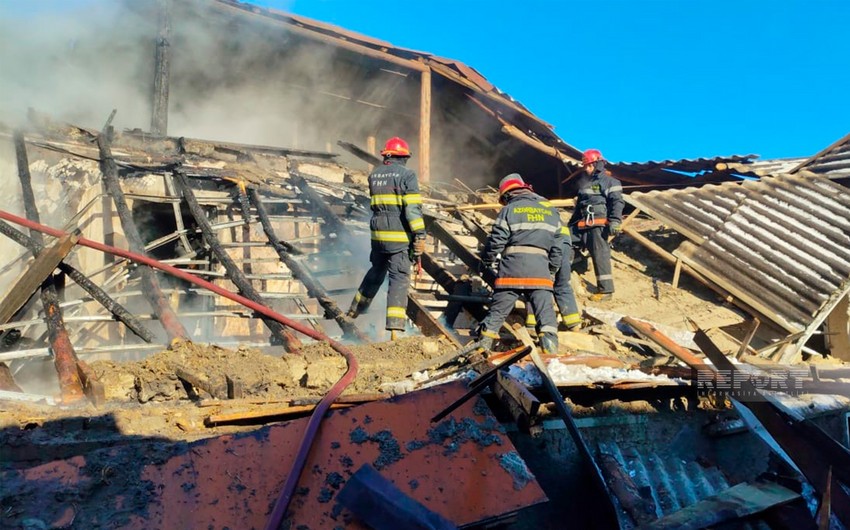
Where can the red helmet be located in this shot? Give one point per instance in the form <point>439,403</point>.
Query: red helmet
<point>395,146</point>
<point>590,156</point>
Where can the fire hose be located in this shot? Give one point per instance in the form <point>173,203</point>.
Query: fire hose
<point>318,413</point>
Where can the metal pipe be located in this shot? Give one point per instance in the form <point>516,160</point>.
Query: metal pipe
<point>315,419</point>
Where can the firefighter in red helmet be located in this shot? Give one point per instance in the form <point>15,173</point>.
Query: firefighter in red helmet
<point>525,247</point>
<point>398,234</point>
<point>598,214</point>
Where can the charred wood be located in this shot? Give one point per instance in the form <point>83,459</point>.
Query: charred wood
<point>64,356</point>
<point>153,292</point>
<point>314,288</point>
<point>98,294</point>
<point>279,332</point>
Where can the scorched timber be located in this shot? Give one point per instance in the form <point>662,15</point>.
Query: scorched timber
<point>98,294</point>
<point>173,328</point>
<point>64,356</point>
<point>234,273</point>
<point>314,288</point>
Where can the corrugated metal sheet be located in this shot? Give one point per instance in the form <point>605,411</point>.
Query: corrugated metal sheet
<point>679,173</point>
<point>781,243</point>
<point>667,482</point>
<point>764,168</point>
<point>832,162</point>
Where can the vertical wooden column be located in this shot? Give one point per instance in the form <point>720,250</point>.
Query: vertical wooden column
<point>425,128</point>
<point>372,147</point>
<point>64,356</point>
<point>162,70</point>
<point>838,330</point>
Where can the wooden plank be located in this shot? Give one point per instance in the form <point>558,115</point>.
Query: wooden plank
<point>7,382</point>
<point>377,502</point>
<point>266,413</point>
<point>26,284</point>
<point>517,390</point>
<point>92,387</point>
<point>837,326</point>
<point>728,505</point>
<point>745,344</point>
<point>677,271</point>
<point>639,508</point>
<point>201,382</point>
<point>430,326</point>
<point>162,68</point>
<point>425,126</point>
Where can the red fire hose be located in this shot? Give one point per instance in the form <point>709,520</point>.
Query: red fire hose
<point>315,419</point>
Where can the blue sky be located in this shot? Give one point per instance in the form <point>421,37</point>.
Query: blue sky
<point>641,80</point>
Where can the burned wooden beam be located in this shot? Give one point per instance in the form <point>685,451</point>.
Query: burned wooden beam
<point>153,292</point>
<point>439,230</point>
<point>520,402</point>
<point>299,271</point>
<point>280,333</point>
<point>7,382</point>
<point>36,273</point>
<point>64,356</point>
<point>426,322</point>
<point>162,66</point>
<point>200,382</point>
<point>93,388</point>
<point>98,294</point>
<point>639,508</point>
<point>362,154</point>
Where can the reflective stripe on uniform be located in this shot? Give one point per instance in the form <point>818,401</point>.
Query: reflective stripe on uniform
<point>385,199</point>
<point>534,226</point>
<point>489,334</point>
<point>417,224</point>
<point>524,282</point>
<point>612,189</point>
<point>605,277</point>
<point>412,198</point>
<point>396,312</point>
<point>530,320</point>
<point>545,203</point>
<point>565,231</point>
<point>548,329</point>
<point>571,319</point>
<point>389,236</point>
<point>525,249</point>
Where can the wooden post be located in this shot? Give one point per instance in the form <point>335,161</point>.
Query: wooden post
<point>150,284</point>
<point>162,65</point>
<point>64,356</point>
<point>372,148</point>
<point>838,330</point>
<point>279,332</point>
<point>425,127</point>
<point>117,310</point>
<point>677,271</point>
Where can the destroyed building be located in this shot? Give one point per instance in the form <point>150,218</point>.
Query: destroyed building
<point>173,353</point>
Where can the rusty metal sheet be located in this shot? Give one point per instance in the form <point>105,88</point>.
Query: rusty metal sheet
<point>463,468</point>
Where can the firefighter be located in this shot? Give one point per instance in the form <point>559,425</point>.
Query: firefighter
<point>598,215</point>
<point>398,234</point>
<point>525,246</point>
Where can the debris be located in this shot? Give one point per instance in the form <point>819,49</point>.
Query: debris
<point>382,506</point>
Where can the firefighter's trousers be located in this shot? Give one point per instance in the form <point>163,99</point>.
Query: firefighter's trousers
<point>564,295</point>
<point>540,300</point>
<point>397,265</point>
<point>596,241</point>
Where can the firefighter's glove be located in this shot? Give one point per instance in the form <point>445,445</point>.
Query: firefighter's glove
<point>616,229</point>
<point>418,247</point>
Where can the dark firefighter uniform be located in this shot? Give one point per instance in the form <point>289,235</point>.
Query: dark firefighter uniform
<point>527,235</point>
<point>565,297</point>
<point>598,213</point>
<point>396,223</point>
